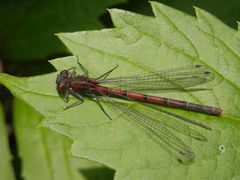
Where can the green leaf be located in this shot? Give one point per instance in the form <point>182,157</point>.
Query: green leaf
<point>40,147</point>
<point>144,44</point>
<point>5,154</point>
<point>28,33</point>
<point>229,14</point>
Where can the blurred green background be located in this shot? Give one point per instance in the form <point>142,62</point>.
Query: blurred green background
<point>27,42</point>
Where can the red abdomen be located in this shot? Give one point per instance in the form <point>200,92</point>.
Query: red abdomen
<point>159,100</point>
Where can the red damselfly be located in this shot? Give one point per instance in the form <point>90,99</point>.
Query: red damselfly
<point>157,123</point>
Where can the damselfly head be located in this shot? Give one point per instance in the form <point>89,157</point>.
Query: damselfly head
<point>62,84</point>
<point>62,76</point>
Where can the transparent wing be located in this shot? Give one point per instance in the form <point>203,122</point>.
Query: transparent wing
<point>172,79</point>
<point>157,131</point>
<point>158,127</point>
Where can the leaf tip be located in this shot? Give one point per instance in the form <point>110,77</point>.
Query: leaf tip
<point>238,23</point>
<point>197,11</point>
<point>152,2</point>
<point>117,16</point>
<point>58,34</point>
<point>115,11</point>
<point>5,77</point>
<point>109,10</point>
<point>156,5</point>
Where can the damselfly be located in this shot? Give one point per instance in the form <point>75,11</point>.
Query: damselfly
<point>156,123</point>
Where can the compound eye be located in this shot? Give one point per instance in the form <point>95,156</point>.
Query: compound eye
<point>64,74</point>
<point>61,86</point>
